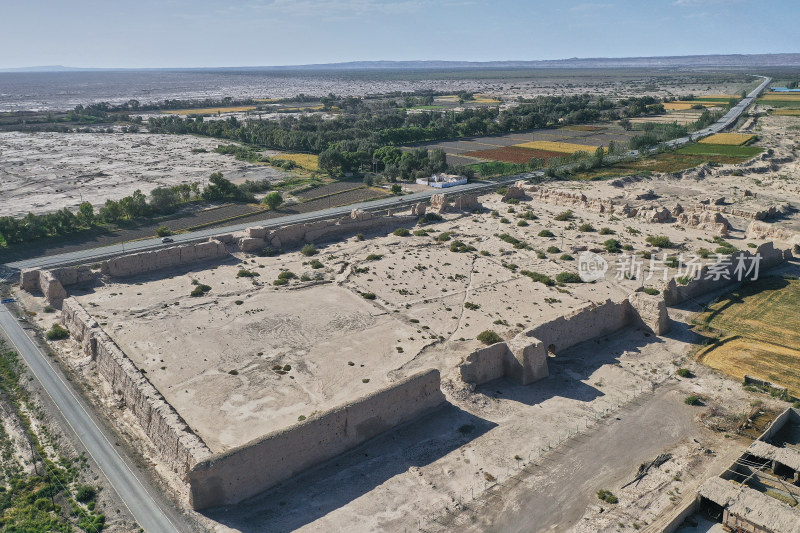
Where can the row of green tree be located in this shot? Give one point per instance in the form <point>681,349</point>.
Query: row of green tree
<point>162,201</point>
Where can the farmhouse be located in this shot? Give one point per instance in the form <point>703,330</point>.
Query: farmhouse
<point>442,181</point>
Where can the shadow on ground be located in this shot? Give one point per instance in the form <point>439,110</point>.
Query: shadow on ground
<point>320,491</point>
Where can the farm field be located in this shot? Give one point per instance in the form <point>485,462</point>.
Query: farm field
<point>683,118</point>
<point>726,150</point>
<point>733,139</point>
<point>682,106</point>
<point>787,112</point>
<point>563,147</point>
<point>210,110</point>
<point>326,190</point>
<point>763,314</point>
<point>307,161</point>
<point>472,150</point>
<point>513,154</point>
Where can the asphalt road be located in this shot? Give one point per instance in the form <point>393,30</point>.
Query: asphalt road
<point>120,474</point>
<point>96,254</point>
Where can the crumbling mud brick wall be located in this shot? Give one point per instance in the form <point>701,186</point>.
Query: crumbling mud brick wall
<point>259,237</point>
<point>232,476</point>
<point>138,263</point>
<point>51,283</point>
<point>524,358</point>
<point>178,446</point>
<point>707,280</point>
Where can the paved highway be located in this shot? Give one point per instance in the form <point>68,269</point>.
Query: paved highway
<point>117,470</point>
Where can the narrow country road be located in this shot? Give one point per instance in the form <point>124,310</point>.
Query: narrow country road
<point>120,474</point>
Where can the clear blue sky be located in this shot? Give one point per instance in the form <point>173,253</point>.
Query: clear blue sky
<point>197,33</point>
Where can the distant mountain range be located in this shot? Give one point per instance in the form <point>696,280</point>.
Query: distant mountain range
<point>697,61</point>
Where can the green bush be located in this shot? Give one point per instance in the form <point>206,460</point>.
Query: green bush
<point>564,216</point>
<point>684,373</point>
<point>471,306</point>
<point>85,493</point>
<point>566,257</point>
<point>444,237</point>
<point>612,246</point>
<point>57,332</point>
<point>429,218</point>
<point>536,276</point>
<point>401,232</point>
<point>522,223</point>
<point>309,250</point>
<point>568,277</point>
<point>660,241</point>
<point>607,496</point>
<point>489,337</point>
<point>692,400</point>
<point>163,231</point>
<point>420,233</point>
<point>243,273</point>
<point>316,263</point>
<point>368,295</point>
<point>287,274</point>
<point>269,251</point>
<point>200,290</point>
<point>546,233</point>
<point>374,257</point>
<point>460,247</point>
<point>553,250</point>
<point>651,291</point>
<point>586,228</point>
<point>606,231</point>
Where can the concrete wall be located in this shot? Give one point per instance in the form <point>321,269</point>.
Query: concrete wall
<point>230,477</point>
<point>138,263</point>
<point>674,293</point>
<point>170,434</point>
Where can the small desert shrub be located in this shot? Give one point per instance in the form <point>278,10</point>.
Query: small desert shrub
<point>233,372</point>
<point>568,277</point>
<point>85,493</point>
<point>692,400</point>
<point>315,264</point>
<point>489,337</point>
<point>278,282</point>
<point>553,250</point>
<point>471,306</point>
<point>683,280</point>
<point>200,290</point>
<point>287,274</point>
<point>365,380</point>
<point>374,257</point>
<point>660,241</point>
<point>460,247</point>
<point>536,276</point>
<point>546,233</point>
<point>684,373</point>
<point>522,223</point>
<point>246,274</point>
<point>309,250</point>
<point>269,251</point>
<point>368,295</point>
<point>429,218</point>
<point>564,216</point>
<point>612,246</point>
<point>444,237</point>
<point>401,232</point>
<point>420,233</point>
<point>57,332</point>
<point>586,227</point>
<point>606,231</point>
<point>49,309</point>
<point>607,496</point>
<point>239,302</point>
<point>504,220</point>
<point>651,291</point>
<point>566,257</point>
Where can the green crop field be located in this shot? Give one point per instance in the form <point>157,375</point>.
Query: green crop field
<point>745,152</point>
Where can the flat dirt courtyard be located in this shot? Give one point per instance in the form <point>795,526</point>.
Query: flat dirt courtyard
<point>237,372</point>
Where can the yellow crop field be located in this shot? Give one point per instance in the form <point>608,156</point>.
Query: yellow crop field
<point>485,99</point>
<point>211,110</point>
<point>728,96</point>
<point>564,148</point>
<point>731,139</point>
<point>307,161</point>
<point>266,100</point>
<point>683,106</point>
<point>740,357</point>
<point>787,112</point>
<point>763,314</point>
<point>781,97</point>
